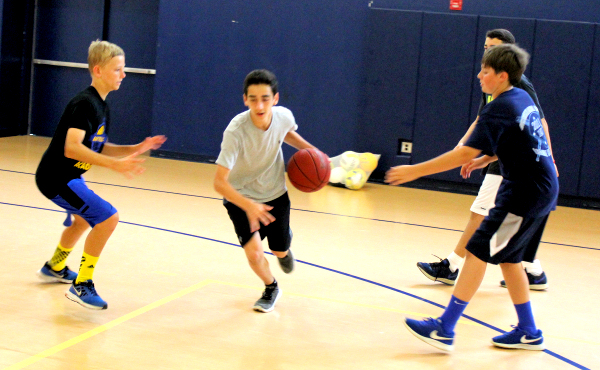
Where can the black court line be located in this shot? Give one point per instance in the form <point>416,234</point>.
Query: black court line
<point>304,210</point>
<point>551,353</point>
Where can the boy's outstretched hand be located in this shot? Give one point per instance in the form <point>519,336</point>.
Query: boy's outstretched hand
<point>153,142</point>
<point>130,165</point>
<point>401,174</point>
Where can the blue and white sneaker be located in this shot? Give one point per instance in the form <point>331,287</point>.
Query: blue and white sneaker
<point>520,338</point>
<point>431,332</point>
<point>535,282</point>
<point>439,271</point>
<point>85,294</point>
<point>50,276</point>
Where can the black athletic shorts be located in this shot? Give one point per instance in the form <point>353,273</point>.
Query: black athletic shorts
<point>504,237</point>
<point>278,232</point>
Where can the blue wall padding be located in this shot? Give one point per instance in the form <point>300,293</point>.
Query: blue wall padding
<point>589,182</point>
<point>135,17</point>
<point>562,80</point>
<point>54,88</point>
<point>315,49</point>
<point>391,66</point>
<point>444,87</point>
<point>65,29</point>
<point>522,29</point>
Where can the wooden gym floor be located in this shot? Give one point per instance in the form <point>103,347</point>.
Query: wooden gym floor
<point>180,292</point>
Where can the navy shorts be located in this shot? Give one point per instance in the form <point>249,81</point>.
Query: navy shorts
<point>79,200</point>
<point>504,237</point>
<point>278,232</point>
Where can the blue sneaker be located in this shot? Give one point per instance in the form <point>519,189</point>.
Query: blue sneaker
<point>431,332</point>
<point>535,282</point>
<point>85,294</point>
<point>50,276</point>
<point>519,338</point>
<point>439,271</point>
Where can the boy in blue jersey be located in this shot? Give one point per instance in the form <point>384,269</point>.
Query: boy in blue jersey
<point>80,141</point>
<point>509,127</point>
<point>446,271</point>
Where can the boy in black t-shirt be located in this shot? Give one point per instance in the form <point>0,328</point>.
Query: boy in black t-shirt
<point>510,128</point>
<point>80,141</point>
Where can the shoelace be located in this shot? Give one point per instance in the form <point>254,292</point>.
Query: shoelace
<point>268,294</point>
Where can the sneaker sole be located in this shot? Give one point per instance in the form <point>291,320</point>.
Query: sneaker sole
<point>52,279</point>
<point>76,299</point>
<point>433,278</point>
<point>531,347</point>
<point>258,308</point>
<point>537,287</point>
<point>432,342</point>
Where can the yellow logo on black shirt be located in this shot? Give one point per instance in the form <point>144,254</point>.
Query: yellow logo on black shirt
<point>83,166</point>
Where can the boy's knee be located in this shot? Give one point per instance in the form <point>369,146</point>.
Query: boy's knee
<point>110,222</point>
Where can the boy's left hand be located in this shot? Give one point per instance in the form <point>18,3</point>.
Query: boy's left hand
<point>154,142</point>
<point>400,174</point>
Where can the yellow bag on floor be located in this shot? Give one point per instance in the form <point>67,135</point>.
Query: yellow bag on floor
<point>352,169</point>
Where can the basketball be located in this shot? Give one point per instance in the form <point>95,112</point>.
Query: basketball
<point>309,169</point>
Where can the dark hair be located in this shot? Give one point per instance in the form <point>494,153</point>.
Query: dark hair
<point>507,58</point>
<point>260,77</point>
<point>501,34</point>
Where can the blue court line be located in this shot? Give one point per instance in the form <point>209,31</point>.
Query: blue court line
<point>551,353</point>
<point>304,210</point>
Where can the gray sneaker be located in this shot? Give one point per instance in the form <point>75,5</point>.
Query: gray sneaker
<point>266,303</point>
<point>287,263</point>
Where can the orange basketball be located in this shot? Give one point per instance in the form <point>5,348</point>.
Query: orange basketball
<point>309,169</point>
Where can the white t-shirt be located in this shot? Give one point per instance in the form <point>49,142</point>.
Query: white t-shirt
<point>254,156</point>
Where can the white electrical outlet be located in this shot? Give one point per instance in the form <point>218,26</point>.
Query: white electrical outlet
<point>406,147</point>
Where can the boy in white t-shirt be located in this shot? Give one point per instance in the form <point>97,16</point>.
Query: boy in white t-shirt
<point>251,178</point>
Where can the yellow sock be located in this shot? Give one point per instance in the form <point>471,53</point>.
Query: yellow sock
<point>86,269</point>
<point>59,259</point>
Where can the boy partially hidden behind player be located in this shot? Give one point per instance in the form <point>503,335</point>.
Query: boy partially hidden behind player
<point>510,128</point>
<point>251,178</point>
<point>80,141</point>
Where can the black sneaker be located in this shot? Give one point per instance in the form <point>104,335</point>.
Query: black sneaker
<point>439,271</point>
<point>266,303</point>
<point>287,263</point>
<point>535,282</point>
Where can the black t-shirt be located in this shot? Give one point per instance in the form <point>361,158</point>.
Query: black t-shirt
<point>510,127</point>
<point>494,168</point>
<point>87,111</point>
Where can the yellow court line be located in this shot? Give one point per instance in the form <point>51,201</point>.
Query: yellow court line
<point>80,338</point>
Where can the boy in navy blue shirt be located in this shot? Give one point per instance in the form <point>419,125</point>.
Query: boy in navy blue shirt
<point>510,128</point>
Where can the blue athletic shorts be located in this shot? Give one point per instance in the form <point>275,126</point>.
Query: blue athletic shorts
<point>79,200</point>
<point>278,232</point>
<point>504,237</point>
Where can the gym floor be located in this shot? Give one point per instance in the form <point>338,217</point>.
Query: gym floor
<point>180,291</point>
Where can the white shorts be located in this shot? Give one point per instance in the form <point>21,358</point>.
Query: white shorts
<point>487,195</point>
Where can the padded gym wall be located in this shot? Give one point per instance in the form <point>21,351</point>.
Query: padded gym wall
<point>206,49</point>
<point>391,69</point>
<point>589,183</point>
<point>561,73</point>
<point>446,75</point>
<point>568,10</point>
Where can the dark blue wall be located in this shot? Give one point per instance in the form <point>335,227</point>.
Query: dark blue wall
<point>565,10</point>
<point>205,51</point>
<point>65,29</point>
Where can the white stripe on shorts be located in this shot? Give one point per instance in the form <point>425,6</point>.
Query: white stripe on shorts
<point>506,231</point>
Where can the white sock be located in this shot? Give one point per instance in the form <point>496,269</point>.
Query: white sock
<point>455,260</point>
<point>534,268</point>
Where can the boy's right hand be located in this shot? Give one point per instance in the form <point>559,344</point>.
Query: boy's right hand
<point>259,213</point>
<point>130,165</point>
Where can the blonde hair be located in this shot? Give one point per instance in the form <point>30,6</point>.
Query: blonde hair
<point>101,52</point>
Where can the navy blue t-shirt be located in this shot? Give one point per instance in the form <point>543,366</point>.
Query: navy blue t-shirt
<point>510,127</point>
